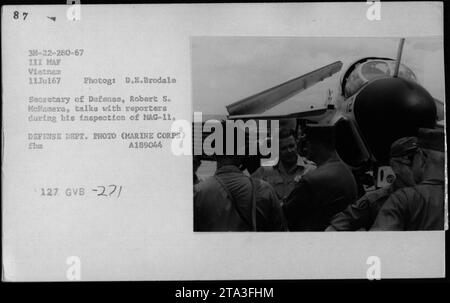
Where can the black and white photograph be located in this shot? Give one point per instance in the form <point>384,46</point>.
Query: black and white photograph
<point>360,131</point>
<point>226,142</point>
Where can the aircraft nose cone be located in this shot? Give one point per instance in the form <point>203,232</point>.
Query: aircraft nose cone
<point>391,108</point>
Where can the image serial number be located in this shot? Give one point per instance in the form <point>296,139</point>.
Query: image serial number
<point>57,52</point>
<point>111,190</point>
<point>251,292</point>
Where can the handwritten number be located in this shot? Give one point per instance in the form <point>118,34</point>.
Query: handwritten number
<point>114,189</point>
<point>102,190</point>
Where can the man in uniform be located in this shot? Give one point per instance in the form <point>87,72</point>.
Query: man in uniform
<point>420,207</point>
<point>363,212</point>
<point>323,192</point>
<point>232,201</point>
<point>290,166</point>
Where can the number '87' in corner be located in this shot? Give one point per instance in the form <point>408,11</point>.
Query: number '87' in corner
<point>19,15</point>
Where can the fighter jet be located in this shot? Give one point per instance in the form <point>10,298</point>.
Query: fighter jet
<point>376,101</point>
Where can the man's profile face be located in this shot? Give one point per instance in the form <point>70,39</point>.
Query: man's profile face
<point>418,164</point>
<point>288,150</point>
<point>403,173</point>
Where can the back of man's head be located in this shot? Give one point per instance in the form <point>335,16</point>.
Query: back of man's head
<point>431,142</point>
<point>323,135</point>
<point>402,154</point>
<point>320,142</point>
<point>432,139</point>
<point>235,153</point>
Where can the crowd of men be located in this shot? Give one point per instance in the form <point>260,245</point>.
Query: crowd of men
<point>319,192</point>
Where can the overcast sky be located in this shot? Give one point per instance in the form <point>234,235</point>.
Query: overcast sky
<point>227,69</point>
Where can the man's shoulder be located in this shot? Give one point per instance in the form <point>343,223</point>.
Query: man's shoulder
<point>402,200</point>
<point>378,194</point>
<point>262,185</point>
<point>264,189</point>
<point>403,195</point>
<point>405,191</point>
<point>331,176</point>
<point>263,171</point>
<point>322,172</point>
<point>269,174</point>
<point>414,193</point>
<point>307,163</point>
<point>208,184</point>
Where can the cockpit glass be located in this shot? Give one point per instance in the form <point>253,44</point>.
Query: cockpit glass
<point>354,82</point>
<point>371,70</point>
<point>375,69</point>
<point>405,73</point>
